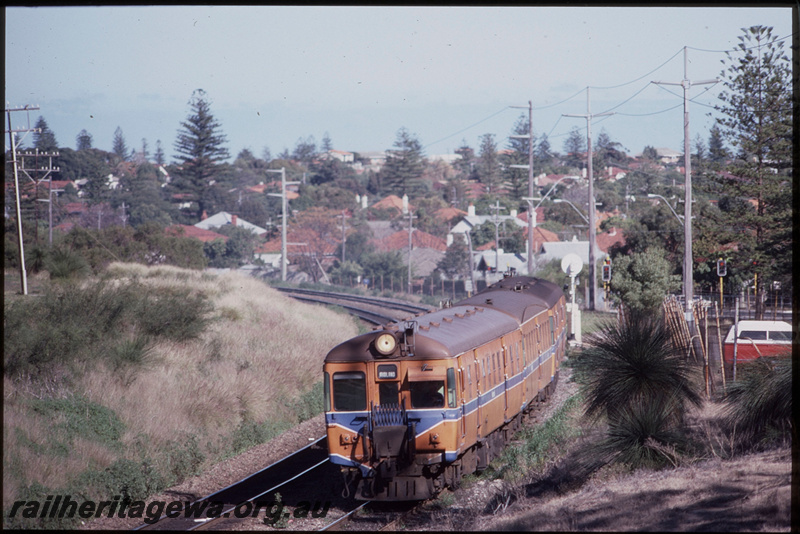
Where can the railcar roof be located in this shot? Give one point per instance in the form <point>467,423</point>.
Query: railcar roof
<point>520,296</point>
<point>472,322</point>
<point>461,328</point>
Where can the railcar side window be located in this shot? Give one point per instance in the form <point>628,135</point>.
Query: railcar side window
<point>326,390</point>
<point>427,394</point>
<point>349,392</point>
<point>451,387</point>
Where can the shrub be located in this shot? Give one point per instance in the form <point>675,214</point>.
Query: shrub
<point>62,263</point>
<point>759,404</point>
<point>79,417</point>
<point>97,321</point>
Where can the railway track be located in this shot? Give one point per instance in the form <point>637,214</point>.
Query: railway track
<point>370,309</point>
<point>254,497</point>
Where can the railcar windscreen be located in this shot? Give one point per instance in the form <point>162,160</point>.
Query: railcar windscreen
<point>427,394</point>
<point>388,393</point>
<point>349,392</point>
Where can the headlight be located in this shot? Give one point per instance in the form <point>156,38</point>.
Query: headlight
<point>385,343</point>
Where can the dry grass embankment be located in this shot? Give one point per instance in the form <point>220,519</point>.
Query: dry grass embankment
<point>96,425</point>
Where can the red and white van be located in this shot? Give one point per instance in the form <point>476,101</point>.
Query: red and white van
<point>757,339</point>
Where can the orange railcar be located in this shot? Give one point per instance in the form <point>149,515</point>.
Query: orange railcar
<point>414,405</point>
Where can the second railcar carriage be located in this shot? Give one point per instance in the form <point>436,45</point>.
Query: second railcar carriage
<point>414,405</point>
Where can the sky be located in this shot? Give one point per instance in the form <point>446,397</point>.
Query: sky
<point>276,75</point>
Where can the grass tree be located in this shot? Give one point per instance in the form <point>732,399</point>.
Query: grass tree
<point>759,405</point>
<point>633,375</point>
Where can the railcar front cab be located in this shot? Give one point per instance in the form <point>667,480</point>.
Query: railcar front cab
<point>389,413</point>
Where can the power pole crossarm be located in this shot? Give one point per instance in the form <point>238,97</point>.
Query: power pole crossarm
<point>688,267</point>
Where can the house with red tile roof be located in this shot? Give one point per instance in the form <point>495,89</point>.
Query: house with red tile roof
<point>188,230</point>
<point>392,203</point>
<point>419,239</point>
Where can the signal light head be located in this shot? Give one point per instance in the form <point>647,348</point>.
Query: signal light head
<point>385,343</point>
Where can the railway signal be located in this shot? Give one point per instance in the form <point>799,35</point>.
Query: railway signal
<point>722,267</point>
<point>607,270</point>
<point>722,270</point>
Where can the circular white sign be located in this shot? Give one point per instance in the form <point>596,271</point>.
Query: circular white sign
<point>571,264</point>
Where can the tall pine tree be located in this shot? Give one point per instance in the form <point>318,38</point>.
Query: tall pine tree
<point>489,165</point>
<point>44,139</point>
<point>402,172</point>
<point>757,122</point>
<point>516,180</point>
<point>200,150</point>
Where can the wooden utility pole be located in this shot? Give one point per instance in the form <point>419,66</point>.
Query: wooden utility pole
<point>47,171</point>
<point>13,144</point>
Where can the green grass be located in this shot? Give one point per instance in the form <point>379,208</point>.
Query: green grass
<point>538,443</point>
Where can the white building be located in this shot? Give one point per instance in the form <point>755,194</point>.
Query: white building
<point>223,218</point>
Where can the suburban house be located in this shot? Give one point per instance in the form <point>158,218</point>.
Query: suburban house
<point>224,218</point>
<point>188,230</point>
<point>426,250</point>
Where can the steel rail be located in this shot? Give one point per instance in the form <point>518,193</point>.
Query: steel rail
<point>322,442</point>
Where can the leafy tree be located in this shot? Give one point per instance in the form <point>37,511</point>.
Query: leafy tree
<point>44,139</point>
<point>641,280</point>
<point>83,140</point>
<point>402,172</point>
<point>607,152</point>
<point>388,266</point>
<point>700,152</point>
<point>141,194</point>
<point>757,121</point>
<point>200,149</point>
<point>238,250</point>
<point>305,150</point>
<point>91,164</point>
<point>456,260</point>
<point>346,272</point>
<point>357,245</point>
<point>650,153</point>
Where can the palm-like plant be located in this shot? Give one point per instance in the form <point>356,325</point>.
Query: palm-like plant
<point>634,362</point>
<point>760,402</point>
<point>632,373</point>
